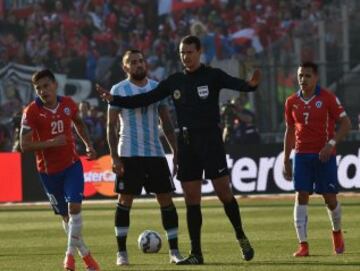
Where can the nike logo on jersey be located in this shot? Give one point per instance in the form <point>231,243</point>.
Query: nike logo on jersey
<point>42,115</point>
<point>221,169</point>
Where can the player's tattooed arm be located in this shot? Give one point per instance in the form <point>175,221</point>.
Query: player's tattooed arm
<point>168,128</point>
<point>83,133</point>
<point>28,144</point>
<point>112,134</point>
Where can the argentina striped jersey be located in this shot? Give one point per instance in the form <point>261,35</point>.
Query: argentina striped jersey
<point>139,132</point>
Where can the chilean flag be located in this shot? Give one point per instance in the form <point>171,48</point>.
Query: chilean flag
<point>168,6</point>
<point>247,35</point>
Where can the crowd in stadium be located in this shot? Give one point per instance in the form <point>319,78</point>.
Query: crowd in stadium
<point>85,39</point>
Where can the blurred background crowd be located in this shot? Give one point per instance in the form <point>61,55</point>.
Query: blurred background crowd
<point>85,39</point>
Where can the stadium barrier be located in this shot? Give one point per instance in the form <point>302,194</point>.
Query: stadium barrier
<point>254,169</point>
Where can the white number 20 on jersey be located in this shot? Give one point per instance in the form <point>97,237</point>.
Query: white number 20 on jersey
<point>57,127</point>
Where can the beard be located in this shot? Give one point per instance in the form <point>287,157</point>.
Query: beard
<point>138,76</point>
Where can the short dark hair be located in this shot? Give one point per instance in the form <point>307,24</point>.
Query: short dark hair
<point>129,52</point>
<point>309,64</point>
<point>190,39</point>
<point>41,74</point>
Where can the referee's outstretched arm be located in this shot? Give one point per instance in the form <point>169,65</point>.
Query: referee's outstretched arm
<point>234,83</point>
<point>139,100</point>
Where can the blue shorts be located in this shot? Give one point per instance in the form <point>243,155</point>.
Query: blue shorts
<point>63,187</point>
<point>310,174</point>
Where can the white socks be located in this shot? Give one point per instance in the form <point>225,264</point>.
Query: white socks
<point>335,217</point>
<point>300,222</point>
<point>121,231</point>
<point>73,231</point>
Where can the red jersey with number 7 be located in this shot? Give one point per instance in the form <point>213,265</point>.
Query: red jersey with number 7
<point>313,119</point>
<point>48,123</point>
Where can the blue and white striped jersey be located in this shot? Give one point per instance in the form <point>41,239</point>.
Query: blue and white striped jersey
<point>139,132</point>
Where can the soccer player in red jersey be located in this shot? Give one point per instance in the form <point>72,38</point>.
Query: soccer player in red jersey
<point>311,114</point>
<point>46,128</point>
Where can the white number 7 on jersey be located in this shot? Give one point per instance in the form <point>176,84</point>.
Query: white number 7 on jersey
<point>306,117</point>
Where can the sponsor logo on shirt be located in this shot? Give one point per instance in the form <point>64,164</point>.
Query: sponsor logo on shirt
<point>203,92</point>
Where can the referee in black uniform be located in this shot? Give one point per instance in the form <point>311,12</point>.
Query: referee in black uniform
<point>195,93</point>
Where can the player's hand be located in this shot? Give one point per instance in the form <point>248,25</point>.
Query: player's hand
<point>287,170</point>
<point>255,78</point>
<point>175,165</point>
<point>325,153</point>
<point>103,93</point>
<point>117,166</point>
<point>59,140</point>
<point>90,153</point>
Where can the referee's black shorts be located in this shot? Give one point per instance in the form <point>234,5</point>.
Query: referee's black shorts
<point>199,152</point>
<point>152,173</point>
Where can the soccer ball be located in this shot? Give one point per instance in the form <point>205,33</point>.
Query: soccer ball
<point>149,241</point>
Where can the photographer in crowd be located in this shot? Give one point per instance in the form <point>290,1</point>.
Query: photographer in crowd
<point>239,123</point>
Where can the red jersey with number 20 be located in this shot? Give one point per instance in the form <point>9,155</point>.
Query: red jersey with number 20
<point>48,123</point>
<point>313,119</point>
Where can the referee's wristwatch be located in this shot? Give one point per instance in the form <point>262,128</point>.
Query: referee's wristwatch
<point>332,142</point>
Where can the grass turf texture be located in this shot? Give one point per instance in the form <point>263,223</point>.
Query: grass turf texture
<point>31,237</point>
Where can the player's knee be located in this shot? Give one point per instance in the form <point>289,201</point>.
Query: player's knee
<point>192,198</point>
<point>74,208</point>
<point>302,198</point>
<point>331,203</point>
<point>164,199</point>
<point>126,199</point>
<point>225,197</point>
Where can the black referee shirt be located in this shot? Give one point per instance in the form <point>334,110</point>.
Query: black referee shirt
<point>195,95</point>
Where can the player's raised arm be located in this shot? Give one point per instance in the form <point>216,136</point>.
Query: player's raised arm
<point>139,100</point>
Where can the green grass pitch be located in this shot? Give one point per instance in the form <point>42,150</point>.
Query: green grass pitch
<point>31,237</point>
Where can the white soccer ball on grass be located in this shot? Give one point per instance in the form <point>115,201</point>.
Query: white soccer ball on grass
<point>149,241</point>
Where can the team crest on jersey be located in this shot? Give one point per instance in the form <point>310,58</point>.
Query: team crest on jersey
<point>67,111</point>
<point>318,104</point>
<point>177,94</point>
<point>203,92</point>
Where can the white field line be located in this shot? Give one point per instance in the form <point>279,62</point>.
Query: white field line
<point>179,199</point>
